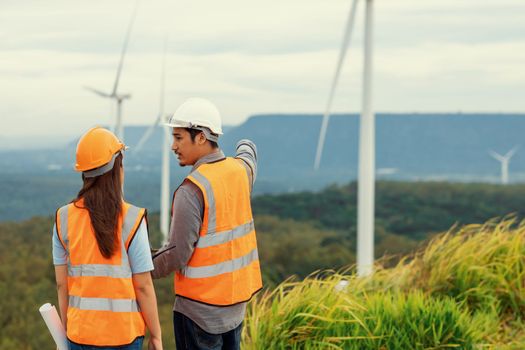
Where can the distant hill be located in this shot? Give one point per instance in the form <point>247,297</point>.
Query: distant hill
<point>417,145</point>
<point>409,147</point>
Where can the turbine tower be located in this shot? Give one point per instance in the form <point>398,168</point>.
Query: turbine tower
<point>504,160</point>
<point>366,179</point>
<point>165,172</point>
<point>114,94</point>
<point>366,172</point>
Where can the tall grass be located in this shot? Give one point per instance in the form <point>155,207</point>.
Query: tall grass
<point>465,290</point>
<point>482,265</point>
<point>313,315</point>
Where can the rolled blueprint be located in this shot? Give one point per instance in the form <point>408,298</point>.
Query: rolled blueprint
<point>50,316</point>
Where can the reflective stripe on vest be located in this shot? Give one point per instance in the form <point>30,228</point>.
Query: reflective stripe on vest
<point>217,238</point>
<point>212,219</point>
<point>104,304</point>
<point>63,223</point>
<point>99,270</point>
<point>224,268</point>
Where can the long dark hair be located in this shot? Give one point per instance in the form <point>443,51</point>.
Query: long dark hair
<point>103,199</point>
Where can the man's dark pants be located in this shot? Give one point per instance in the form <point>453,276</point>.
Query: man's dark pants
<point>189,336</point>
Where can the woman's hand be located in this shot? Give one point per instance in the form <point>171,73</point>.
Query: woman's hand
<point>155,343</point>
<point>147,300</point>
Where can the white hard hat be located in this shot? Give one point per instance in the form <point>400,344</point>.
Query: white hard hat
<point>196,113</point>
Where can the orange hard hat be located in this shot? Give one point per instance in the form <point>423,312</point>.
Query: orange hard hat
<point>96,148</point>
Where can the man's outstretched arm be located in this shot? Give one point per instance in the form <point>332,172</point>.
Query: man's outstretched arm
<point>247,151</point>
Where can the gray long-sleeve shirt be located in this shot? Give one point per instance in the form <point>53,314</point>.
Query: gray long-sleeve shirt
<point>188,211</point>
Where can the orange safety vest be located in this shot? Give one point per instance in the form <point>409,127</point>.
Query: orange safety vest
<point>224,268</point>
<point>103,309</point>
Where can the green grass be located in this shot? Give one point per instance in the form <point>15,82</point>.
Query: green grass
<point>465,289</point>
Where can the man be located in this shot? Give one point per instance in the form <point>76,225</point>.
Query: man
<point>212,244</point>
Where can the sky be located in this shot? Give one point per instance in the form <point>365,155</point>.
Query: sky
<point>252,57</point>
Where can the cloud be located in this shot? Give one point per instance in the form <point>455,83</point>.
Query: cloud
<point>261,56</point>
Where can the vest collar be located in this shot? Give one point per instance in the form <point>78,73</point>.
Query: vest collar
<point>209,158</point>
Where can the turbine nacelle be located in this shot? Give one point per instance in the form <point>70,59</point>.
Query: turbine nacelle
<point>121,98</point>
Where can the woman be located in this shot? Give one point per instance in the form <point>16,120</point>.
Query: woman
<point>102,256</point>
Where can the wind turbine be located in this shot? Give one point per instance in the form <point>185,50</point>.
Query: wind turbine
<point>114,94</point>
<point>366,173</point>
<point>165,172</point>
<point>505,160</point>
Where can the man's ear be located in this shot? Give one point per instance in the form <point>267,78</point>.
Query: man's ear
<point>202,138</point>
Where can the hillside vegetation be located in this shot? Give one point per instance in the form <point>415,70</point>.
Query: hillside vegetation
<point>304,232</point>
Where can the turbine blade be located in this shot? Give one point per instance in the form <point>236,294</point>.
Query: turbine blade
<point>511,152</point>
<point>163,77</point>
<point>125,47</point>
<point>98,92</point>
<point>342,53</point>
<point>147,135</point>
<point>160,115</point>
<point>496,156</point>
